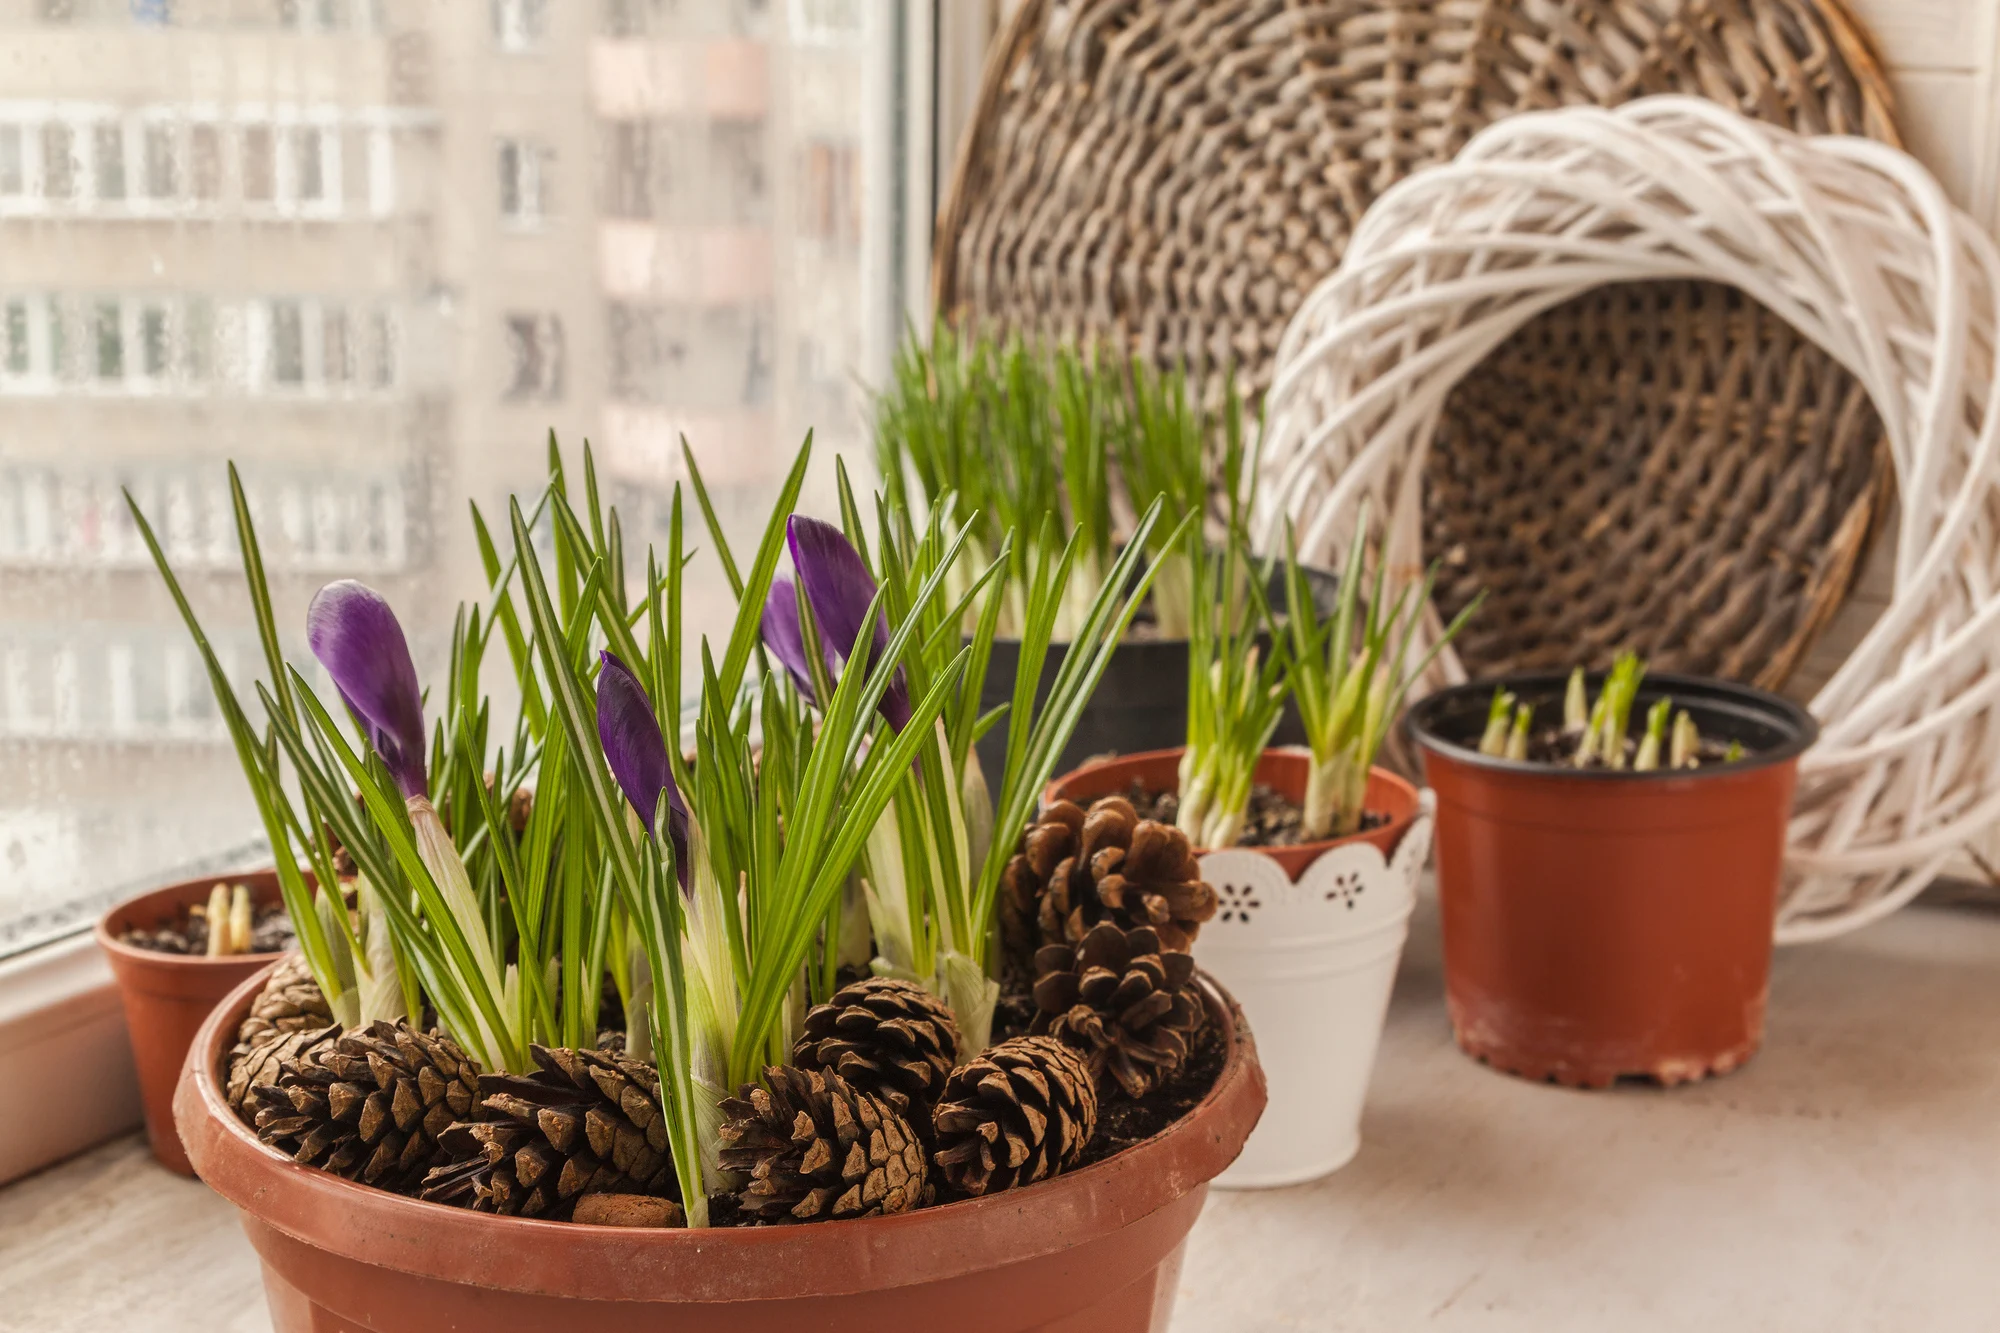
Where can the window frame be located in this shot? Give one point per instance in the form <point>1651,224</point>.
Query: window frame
<point>60,990</point>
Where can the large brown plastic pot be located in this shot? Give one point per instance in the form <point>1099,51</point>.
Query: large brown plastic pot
<point>1098,1250</point>
<point>1283,770</point>
<point>1602,925</point>
<point>167,996</point>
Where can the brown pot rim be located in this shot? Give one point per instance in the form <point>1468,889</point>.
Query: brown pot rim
<point>1390,833</point>
<point>1801,728</point>
<point>529,1257</point>
<point>108,940</point>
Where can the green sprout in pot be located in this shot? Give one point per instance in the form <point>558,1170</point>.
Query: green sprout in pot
<point>1350,673</point>
<point>1597,733</point>
<point>1236,685</point>
<point>1012,433</point>
<point>1008,435</point>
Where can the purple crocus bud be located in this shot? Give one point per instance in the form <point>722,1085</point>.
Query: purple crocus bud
<point>839,589</point>
<point>354,634</point>
<point>637,753</point>
<point>783,637</point>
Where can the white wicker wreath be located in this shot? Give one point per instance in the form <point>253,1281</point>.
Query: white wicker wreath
<point>1852,242</point>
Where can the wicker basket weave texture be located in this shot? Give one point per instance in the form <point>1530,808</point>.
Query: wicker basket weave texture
<point>1666,467</point>
<point>1175,175</point>
<point>1171,176</point>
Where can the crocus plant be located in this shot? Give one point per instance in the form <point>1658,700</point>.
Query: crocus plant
<point>931,874</point>
<point>499,873</point>
<point>1349,675</point>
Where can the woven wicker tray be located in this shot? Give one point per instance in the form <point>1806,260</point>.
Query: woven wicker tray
<point>1172,176</point>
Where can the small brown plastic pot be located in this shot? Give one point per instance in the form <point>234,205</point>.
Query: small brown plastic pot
<point>1602,925</point>
<point>1283,770</point>
<point>1095,1251</point>
<point>167,996</point>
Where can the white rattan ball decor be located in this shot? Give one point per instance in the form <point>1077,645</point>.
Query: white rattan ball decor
<point>1854,244</point>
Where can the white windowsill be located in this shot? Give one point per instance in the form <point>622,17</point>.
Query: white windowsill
<point>62,1044</point>
<point>1844,1180</point>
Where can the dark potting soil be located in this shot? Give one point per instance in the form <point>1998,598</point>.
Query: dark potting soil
<point>1273,820</point>
<point>1123,1122</point>
<point>1557,747</point>
<point>270,932</point>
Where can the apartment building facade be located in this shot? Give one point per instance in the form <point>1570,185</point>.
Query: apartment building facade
<point>372,252</point>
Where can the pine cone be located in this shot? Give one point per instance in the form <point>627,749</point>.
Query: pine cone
<point>1121,999</point>
<point>290,1002</point>
<point>892,1038</point>
<point>368,1105</point>
<point>1124,869</point>
<point>1020,1113</point>
<point>816,1148</point>
<point>586,1122</point>
<point>1046,843</point>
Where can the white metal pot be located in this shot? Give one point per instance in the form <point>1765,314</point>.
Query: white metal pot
<point>1312,961</point>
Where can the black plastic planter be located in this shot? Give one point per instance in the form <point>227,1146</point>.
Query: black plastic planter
<point>1141,702</point>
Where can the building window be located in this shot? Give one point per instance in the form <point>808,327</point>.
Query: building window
<point>288,349</point>
<point>649,348</point>
<point>56,316</point>
<point>534,356</point>
<point>736,169</point>
<point>628,169</point>
<point>108,335</point>
<point>59,165</point>
<point>523,181</point>
<point>336,359</point>
<point>829,185</point>
<point>108,160</point>
<point>382,350</point>
<point>308,165</point>
<point>13,169</point>
<point>155,357</point>
<point>197,350</point>
<point>162,166</point>
<point>520,25</point>
<point>205,162</point>
<point>18,352</point>
<point>258,159</point>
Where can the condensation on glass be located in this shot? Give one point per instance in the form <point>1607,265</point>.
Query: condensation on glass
<point>372,251</point>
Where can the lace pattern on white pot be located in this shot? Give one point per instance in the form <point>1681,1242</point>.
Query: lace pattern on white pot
<point>1349,891</point>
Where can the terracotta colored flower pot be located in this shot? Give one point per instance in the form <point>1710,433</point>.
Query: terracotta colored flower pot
<point>1098,1250</point>
<point>1601,925</point>
<point>1308,938</point>
<point>166,996</point>
<point>1285,770</point>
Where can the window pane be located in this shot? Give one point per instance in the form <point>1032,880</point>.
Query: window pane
<point>257,164</point>
<point>338,365</point>
<point>205,161</point>
<point>162,171</point>
<point>59,164</point>
<point>309,165</point>
<point>483,203</point>
<point>108,143</point>
<point>153,351</point>
<point>17,337</point>
<point>288,351</point>
<point>110,341</point>
<point>13,180</point>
